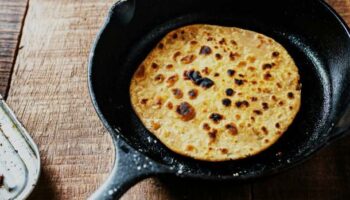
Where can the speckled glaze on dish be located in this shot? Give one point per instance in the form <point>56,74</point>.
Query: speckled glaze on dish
<point>310,30</point>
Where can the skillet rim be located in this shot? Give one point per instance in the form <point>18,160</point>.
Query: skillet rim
<point>116,135</point>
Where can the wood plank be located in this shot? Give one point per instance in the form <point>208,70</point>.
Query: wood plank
<point>325,176</point>
<point>49,94</point>
<point>11,18</point>
<point>174,188</point>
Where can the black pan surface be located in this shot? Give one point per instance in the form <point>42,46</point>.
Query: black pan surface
<point>314,35</point>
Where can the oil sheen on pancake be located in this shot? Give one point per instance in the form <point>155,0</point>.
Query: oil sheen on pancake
<point>216,93</point>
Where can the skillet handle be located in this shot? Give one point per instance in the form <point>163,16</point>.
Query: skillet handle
<point>121,12</point>
<point>129,167</point>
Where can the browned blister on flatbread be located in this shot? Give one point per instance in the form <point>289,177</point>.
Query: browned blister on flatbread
<point>216,93</point>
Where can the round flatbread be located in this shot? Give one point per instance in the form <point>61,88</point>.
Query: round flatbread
<point>216,93</point>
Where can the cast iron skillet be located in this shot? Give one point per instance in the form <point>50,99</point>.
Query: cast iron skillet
<point>312,32</point>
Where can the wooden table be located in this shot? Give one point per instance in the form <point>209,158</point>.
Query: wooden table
<point>44,47</point>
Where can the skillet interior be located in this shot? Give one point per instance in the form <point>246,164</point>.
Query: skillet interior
<point>313,36</point>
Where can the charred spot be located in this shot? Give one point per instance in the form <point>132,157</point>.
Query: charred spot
<point>160,46</point>
<point>267,76</point>
<point>239,81</point>
<point>267,90</point>
<point>186,111</point>
<point>197,79</point>
<point>194,76</point>
<point>241,75</point>
<point>177,93</point>
<point>144,101</point>
<point>170,66</point>
<point>212,134</point>
<point>205,50</point>
<point>265,106</point>
<point>281,103</point>
<point>267,66</point>
<point>233,56</point>
<point>210,39</point>
<point>155,66</point>
<point>218,56</point>
<point>159,78</point>
<point>264,129</point>
<point>224,151</point>
<point>222,41</point>
<point>238,117</point>
<point>205,71</point>
<point>182,32</point>
<point>216,74</point>
<point>258,112</point>
<point>193,93</point>
<point>155,125</point>
<point>231,72</point>
<point>275,54</point>
<point>232,128</point>
<point>176,54</point>
<point>252,118</point>
<point>290,95</point>
<point>277,125</point>
<point>290,107</point>
<point>251,59</point>
<point>159,101</point>
<point>250,68</point>
<point>216,117</point>
<point>242,64</point>
<point>279,85</point>
<point>240,104</point>
<point>233,42</point>
<point>193,42</point>
<point>188,59</point>
<point>190,148</point>
<point>254,98</point>
<point>226,102</point>
<point>174,36</point>
<point>266,140</point>
<point>273,97</point>
<point>206,83</point>
<point>170,105</point>
<point>206,126</point>
<point>230,92</point>
<point>140,71</point>
<point>186,74</point>
<point>172,80</point>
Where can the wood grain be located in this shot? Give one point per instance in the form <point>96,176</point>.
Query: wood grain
<point>49,94</point>
<point>11,18</point>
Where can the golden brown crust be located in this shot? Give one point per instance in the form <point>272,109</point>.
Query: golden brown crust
<point>216,93</point>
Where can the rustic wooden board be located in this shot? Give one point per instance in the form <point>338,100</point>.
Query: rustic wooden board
<point>11,17</point>
<point>49,94</point>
